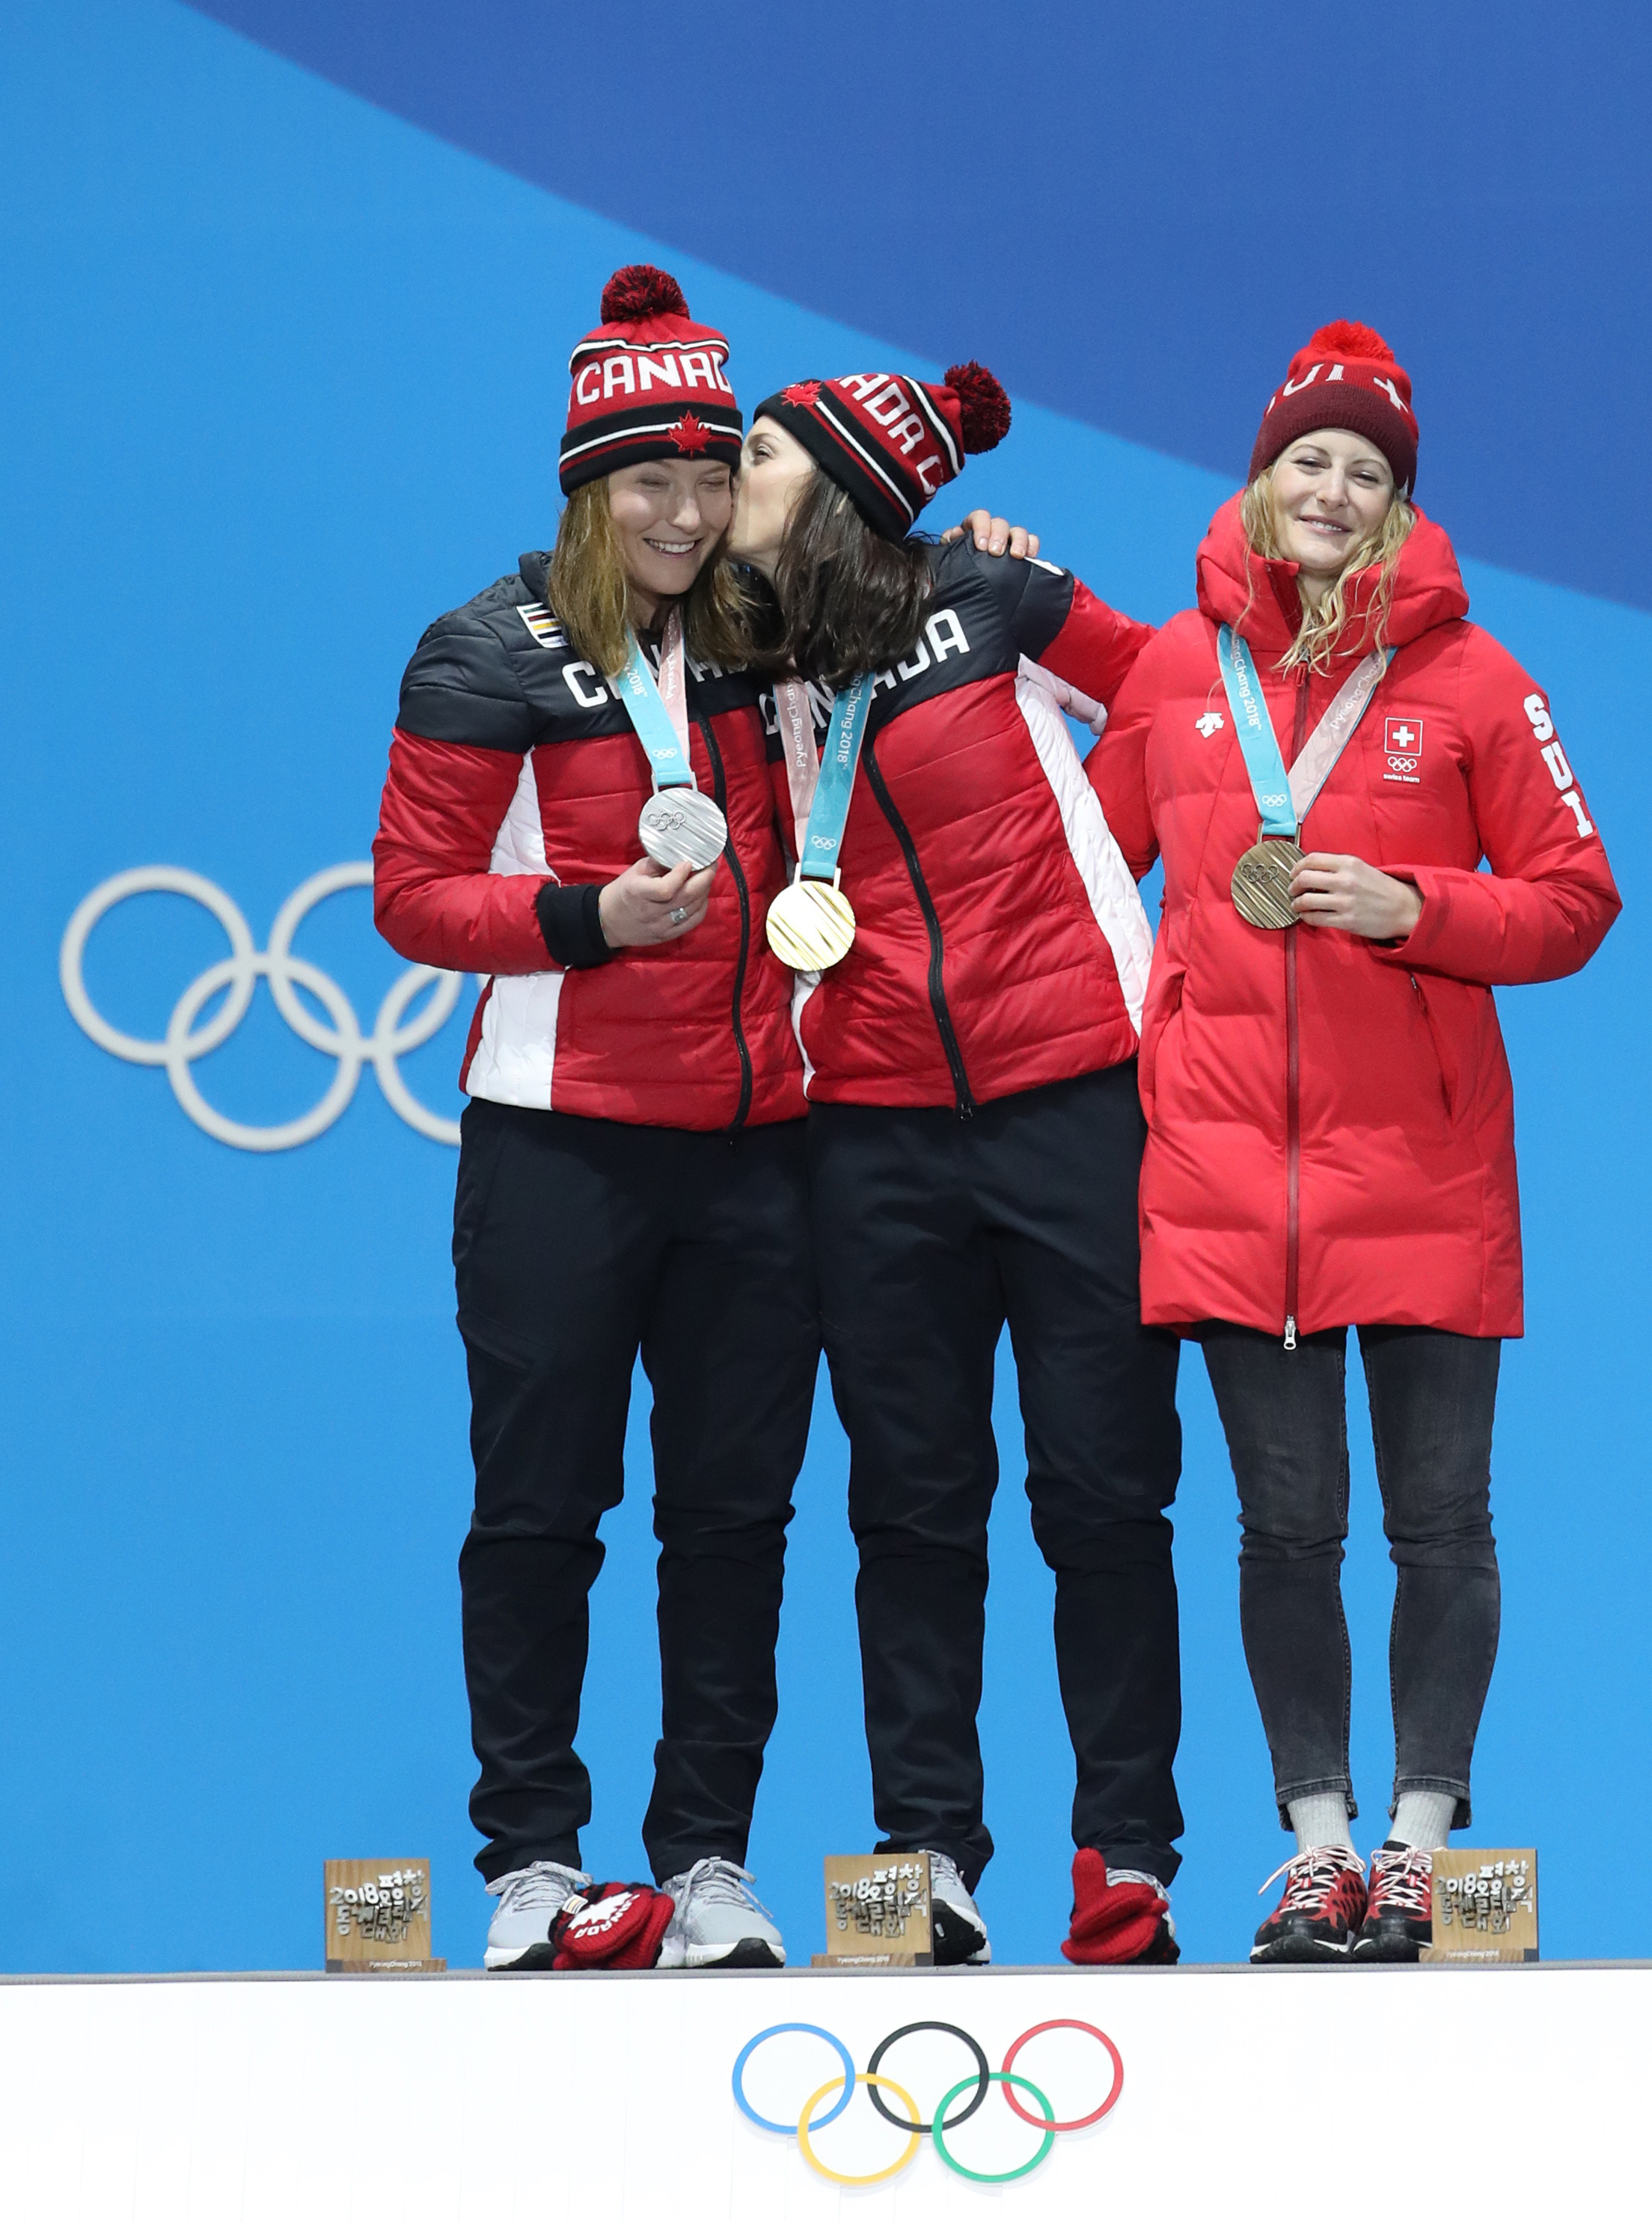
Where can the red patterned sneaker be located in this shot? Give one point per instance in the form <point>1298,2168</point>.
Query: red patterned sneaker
<point>1399,1913</point>
<point>1119,1915</point>
<point>1324,1905</point>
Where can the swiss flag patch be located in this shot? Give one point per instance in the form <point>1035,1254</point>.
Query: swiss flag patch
<point>1403,740</point>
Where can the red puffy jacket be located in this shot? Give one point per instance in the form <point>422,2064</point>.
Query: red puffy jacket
<point>1331,1119</point>
<point>1000,942</point>
<point>515,771</point>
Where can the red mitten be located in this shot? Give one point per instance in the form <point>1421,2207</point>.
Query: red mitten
<point>611,1924</point>
<point>1114,1922</point>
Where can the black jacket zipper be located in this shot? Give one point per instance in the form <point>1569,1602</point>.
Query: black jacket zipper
<point>720,788</point>
<point>965,1099</point>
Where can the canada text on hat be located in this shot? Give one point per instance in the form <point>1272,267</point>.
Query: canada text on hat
<point>648,384</point>
<point>892,442</point>
<point>1345,378</point>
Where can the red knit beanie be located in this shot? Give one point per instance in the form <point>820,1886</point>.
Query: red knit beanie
<point>648,384</point>
<point>892,442</point>
<point>1345,378</point>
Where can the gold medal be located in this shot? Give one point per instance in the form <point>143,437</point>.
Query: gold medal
<point>810,925</point>
<point>1261,884</point>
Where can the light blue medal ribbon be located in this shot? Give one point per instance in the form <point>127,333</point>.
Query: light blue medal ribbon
<point>1270,782</point>
<point>668,758</point>
<point>1285,798</point>
<point>679,824</point>
<point>829,812</point>
<point>811,923</point>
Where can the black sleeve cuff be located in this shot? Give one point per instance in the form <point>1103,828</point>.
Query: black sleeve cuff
<point>573,930</point>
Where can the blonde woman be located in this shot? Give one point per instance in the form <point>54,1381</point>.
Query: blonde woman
<point>1329,1108</point>
<point>580,806</point>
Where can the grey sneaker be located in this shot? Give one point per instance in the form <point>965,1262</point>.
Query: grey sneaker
<point>718,1921</point>
<point>518,1936</point>
<point>954,1922</point>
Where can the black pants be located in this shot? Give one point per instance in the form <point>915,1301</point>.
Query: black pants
<point>1285,1416</point>
<point>577,1243</point>
<point>930,1231</point>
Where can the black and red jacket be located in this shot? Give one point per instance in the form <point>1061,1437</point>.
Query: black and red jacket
<point>1000,942</point>
<point>516,780</point>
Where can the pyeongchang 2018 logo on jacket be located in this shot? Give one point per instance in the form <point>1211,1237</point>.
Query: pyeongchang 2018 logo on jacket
<point>1402,740</point>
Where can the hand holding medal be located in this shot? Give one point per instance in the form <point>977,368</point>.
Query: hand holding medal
<point>679,824</point>
<point>648,904</point>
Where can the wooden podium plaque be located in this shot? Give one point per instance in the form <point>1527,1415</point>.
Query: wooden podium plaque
<point>377,1917</point>
<point>877,1911</point>
<point>1485,1908</point>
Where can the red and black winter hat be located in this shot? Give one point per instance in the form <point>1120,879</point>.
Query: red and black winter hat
<point>892,442</point>
<point>648,384</point>
<point>1345,378</point>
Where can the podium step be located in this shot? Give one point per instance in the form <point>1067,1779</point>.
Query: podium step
<point>1200,2092</point>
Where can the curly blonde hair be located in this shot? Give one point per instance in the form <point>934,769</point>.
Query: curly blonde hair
<point>590,592</point>
<point>1318,635</point>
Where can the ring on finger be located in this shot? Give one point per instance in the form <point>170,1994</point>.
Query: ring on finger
<point>678,915</point>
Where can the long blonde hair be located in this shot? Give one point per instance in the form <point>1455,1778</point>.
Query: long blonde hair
<point>1319,632</point>
<point>591,594</point>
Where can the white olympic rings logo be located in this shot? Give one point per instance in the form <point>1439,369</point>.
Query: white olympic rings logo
<point>240,973</point>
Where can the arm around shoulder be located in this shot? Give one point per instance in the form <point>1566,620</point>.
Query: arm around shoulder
<point>1117,766</point>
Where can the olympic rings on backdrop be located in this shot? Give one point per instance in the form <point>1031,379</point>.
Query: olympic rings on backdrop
<point>832,2175</point>
<point>787,2029</point>
<point>983,2076</point>
<point>915,2127</point>
<point>1008,2175</point>
<point>1083,2121</point>
<point>339,1035</point>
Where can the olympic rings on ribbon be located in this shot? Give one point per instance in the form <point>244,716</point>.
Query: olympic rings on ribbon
<point>941,2122</point>
<point>340,1035</point>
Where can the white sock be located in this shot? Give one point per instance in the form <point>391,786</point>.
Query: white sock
<point>1422,1819</point>
<point>1321,1819</point>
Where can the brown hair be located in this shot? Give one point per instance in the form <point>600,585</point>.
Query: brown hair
<point>1318,634</point>
<point>845,600</point>
<point>590,592</point>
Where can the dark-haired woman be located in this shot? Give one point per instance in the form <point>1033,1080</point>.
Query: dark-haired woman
<point>1330,1114</point>
<point>632,1174</point>
<point>969,1037</point>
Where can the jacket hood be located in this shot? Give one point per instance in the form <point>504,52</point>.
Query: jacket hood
<point>1428,588</point>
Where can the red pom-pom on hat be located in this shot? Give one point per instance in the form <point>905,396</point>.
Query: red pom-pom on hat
<point>983,403</point>
<point>1353,342</point>
<point>639,291</point>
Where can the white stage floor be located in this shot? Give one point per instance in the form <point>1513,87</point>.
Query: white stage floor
<point>1501,2093</point>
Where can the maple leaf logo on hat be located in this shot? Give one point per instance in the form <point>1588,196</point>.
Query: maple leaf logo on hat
<point>803,395</point>
<point>690,435</point>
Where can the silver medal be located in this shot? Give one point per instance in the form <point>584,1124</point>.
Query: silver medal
<point>681,826</point>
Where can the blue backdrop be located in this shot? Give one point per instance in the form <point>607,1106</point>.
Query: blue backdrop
<point>283,376</point>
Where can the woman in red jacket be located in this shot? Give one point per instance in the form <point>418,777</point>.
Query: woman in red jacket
<point>632,1174</point>
<point>970,954</point>
<point>1329,1109</point>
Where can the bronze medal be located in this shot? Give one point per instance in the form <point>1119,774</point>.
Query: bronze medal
<point>810,925</point>
<point>1261,884</point>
